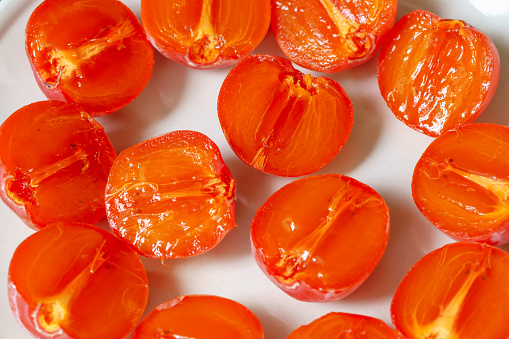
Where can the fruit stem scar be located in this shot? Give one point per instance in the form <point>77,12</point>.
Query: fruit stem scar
<point>66,62</point>
<point>442,327</point>
<point>203,49</point>
<point>52,311</point>
<point>302,252</point>
<point>47,171</point>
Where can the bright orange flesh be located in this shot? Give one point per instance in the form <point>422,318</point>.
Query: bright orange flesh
<point>436,74</point>
<point>200,317</point>
<point>331,35</point>
<point>457,291</point>
<point>280,121</point>
<point>344,326</point>
<point>319,237</point>
<point>90,52</point>
<point>461,183</point>
<point>67,278</point>
<point>171,196</point>
<point>206,33</point>
<point>54,163</point>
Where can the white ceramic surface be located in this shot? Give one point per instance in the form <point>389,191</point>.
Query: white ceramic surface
<point>381,152</point>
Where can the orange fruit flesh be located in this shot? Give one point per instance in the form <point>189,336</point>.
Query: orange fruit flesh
<point>72,275</point>
<point>306,232</point>
<point>458,291</point>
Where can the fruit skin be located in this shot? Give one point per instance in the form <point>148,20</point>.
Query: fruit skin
<point>80,81</point>
<point>321,278</point>
<point>437,74</point>
<point>55,165</point>
<point>280,121</point>
<point>171,196</point>
<point>85,259</point>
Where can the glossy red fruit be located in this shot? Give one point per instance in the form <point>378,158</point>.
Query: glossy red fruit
<point>320,237</point>
<point>461,183</point>
<point>281,121</point>
<point>437,74</point>
<point>54,163</point>
<point>75,280</point>
<point>206,33</point>
<point>331,35</point>
<point>457,291</point>
<point>344,325</point>
<point>90,52</point>
<point>200,317</point>
<point>171,196</point>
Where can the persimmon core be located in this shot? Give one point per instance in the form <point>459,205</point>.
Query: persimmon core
<point>66,63</point>
<point>53,311</point>
<point>443,326</point>
<point>204,49</point>
<point>350,32</point>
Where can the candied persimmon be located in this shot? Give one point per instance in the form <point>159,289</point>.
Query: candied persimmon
<point>75,280</point>
<point>320,237</point>
<point>437,74</point>
<point>171,196</point>
<point>461,183</point>
<point>90,52</point>
<point>54,164</point>
<point>331,35</point>
<point>205,33</point>
<point>344,325</point>
<point>281,121</point>
<point>457,291</point>
<point>200,317</point>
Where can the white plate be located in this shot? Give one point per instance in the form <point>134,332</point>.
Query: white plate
<point>381,152</point>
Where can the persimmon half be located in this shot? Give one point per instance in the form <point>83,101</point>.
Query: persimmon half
<point>171,196</point>
<point>205,33</point>
<point>76,280</point>
<point>200,317</point>
<point>331,35</point>
<point>457,291</point>
<point>320,237</point>
<point>281,121</point>
<point>90,52</point>
<point>54,164</point>
<point>437,74</point>
<point>461,183</point>
<point>344,325</point>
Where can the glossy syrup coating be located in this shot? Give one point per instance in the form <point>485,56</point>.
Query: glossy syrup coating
<point>54,163</point>
<point>345,326</point>
<point>281,121</point>
<point>171,196</point>
<point>458,291</point>
<point>331,35</point>
<point>206,33</point>
<point>90,52</point>
<point>437,74</point>
<point>75,280</point>
<point>200,317</point>
<point>320,237</point>
<point>461,183</point>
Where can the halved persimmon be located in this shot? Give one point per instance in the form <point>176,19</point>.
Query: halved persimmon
<point>320,237</point>
<point>205,33</point>
<point>75,280</point>
<point>171,196</point>
<point>457,291</point>
<point>437,74</point>
<point>344,325</point>
<point>331,35</point>
<point>90,52</point>
<point>281,121</point>
<point>461,183</point>
<point>200,317</point>
<point>54,164</point>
